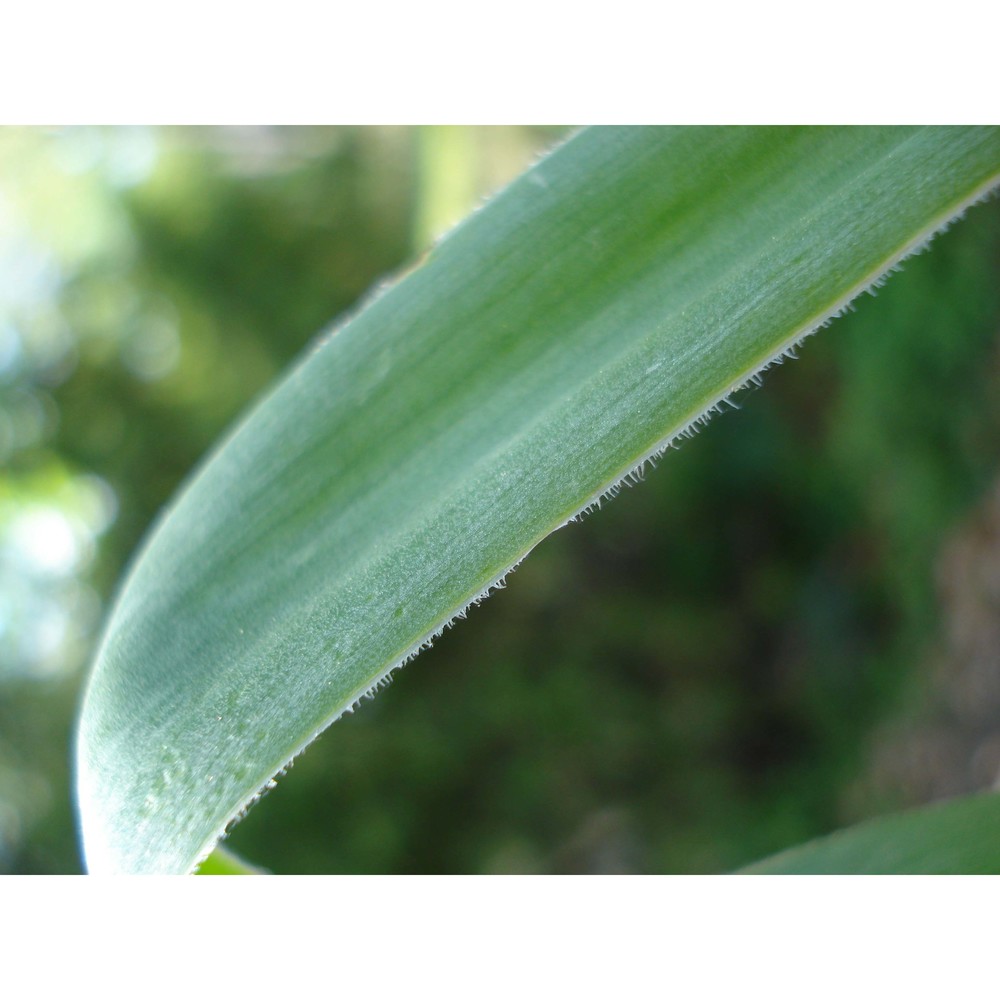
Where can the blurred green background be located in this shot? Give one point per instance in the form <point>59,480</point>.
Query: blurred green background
<point>793,624</point>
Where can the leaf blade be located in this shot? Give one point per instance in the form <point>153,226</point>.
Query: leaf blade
<point>959,837</point>
<point>554,341</point>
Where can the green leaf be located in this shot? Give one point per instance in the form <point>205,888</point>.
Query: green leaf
<point>222,861</point>
<point>553,344</point>
<point>961,837</point>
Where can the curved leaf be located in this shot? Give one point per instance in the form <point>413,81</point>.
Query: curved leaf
<point>961,837</point>
<point>561,337</point>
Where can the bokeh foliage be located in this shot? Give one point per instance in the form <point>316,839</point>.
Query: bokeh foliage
<point>691,679</point>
